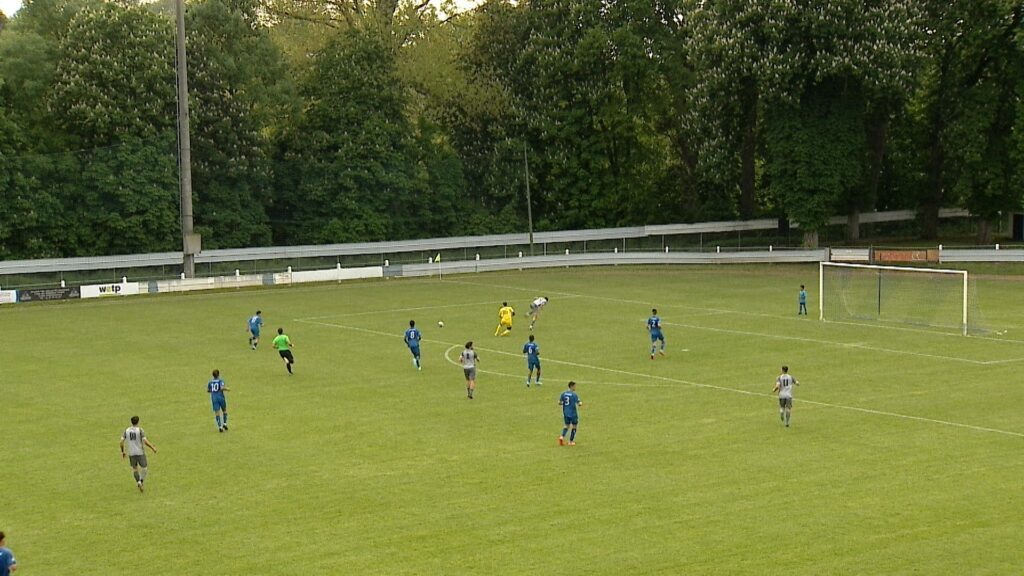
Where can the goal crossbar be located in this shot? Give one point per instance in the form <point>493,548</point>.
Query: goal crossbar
<point>822,266</point>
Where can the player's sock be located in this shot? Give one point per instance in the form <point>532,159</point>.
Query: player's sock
<point>136,475</point>
<point>217,418</point>
<point>225,419</point>
<point>787,418</point>
<point>289,366</point>
<point>527,381</point>
<point>538,381</point>
<point>142,474</point>
<point>782,415</point>
<point>572,435</point>
<point>564,430</point>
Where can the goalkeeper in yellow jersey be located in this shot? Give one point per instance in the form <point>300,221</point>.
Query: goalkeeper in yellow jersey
<point>505,314</point>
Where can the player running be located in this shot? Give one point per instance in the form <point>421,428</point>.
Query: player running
<point>412,340</point>
<point>654,327</point>
<point>216,388</point>
<point>255,323</point>
<point>569,402</point>
<point>535,308</point>
<point>784,386</point>
<point>531,350</point>
<point>136,440</point>
<point>284,345</point>
<point>505,314</point>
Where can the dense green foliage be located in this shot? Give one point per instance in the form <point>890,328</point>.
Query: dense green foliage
<point>334,121</point>
<point>360,464</point>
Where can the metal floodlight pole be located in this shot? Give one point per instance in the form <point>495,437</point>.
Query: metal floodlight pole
<point>529,204</point>
<point>184,149</point>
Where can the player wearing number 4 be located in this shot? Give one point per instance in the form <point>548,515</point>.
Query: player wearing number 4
<point>569,402</point>
<point>784,386</point>
<point>654,327</point>
<point>217,388</point>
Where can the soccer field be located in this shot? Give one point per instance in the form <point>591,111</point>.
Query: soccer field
<point>904,456</point>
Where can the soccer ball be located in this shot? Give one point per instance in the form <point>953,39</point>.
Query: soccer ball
<point>440,323</point>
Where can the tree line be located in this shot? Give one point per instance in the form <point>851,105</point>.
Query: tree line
<point>319,121</point>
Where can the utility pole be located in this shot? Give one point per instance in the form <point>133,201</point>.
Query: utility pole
<point>190,242</point>
<point>529,204</point>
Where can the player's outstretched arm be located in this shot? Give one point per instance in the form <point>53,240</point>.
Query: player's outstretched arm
<point>147,443</point>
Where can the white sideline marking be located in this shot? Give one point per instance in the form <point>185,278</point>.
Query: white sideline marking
<point>452,346</point>
<point>860,345</point>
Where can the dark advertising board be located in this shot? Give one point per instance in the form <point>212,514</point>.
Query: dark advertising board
<point>46,294</point>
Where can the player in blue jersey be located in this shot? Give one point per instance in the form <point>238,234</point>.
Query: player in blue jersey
<point>802,299</point>
<point>216,387</point>
<point>412,340</point>
<point>8,563</point>
<point>255,323</point>
<point>531,350</point>
<point>569,402</point>
<point>654,327</point>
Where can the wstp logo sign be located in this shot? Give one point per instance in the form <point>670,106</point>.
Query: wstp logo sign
<point>102,290</point>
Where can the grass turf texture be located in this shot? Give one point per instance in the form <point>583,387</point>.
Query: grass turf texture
<point>359,464</point>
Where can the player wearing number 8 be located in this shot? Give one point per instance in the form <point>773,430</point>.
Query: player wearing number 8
<point>135,439</point>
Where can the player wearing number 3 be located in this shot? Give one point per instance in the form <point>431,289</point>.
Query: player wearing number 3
<point>569,402</point>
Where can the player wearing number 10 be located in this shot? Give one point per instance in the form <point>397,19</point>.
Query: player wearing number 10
<point>570,414</point>
<point>217,388</point>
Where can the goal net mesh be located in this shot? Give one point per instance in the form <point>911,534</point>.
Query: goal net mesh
<point>918,297</point>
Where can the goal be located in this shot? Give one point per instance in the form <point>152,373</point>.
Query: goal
<point>895,294</point>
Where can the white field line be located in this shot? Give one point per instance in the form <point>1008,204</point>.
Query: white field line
<point>859,345</point>
<point>689,383</point>
<point>714,311</point>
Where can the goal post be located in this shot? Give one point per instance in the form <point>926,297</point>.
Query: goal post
<point>894,294</point>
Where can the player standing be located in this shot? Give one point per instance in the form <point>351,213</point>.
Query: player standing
<point>217,388</point>
<point>284,344</point>
<point>570,414</point>
<point>654,327</point>
<point>136,440</point>
<point>255,323</point>
<point>784,386</point>
<point>412,340</point>
<point>8,563</point>
<point>505,314</point>
<point>535,308</point>
<point>802,299</point>
<point>532,352</point>
<point>469,358</point>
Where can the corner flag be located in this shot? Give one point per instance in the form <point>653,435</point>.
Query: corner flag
<point>438,257</point>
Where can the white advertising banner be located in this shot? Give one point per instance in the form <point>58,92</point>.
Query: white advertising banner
<point>8,296</point>
<point>103,290</point>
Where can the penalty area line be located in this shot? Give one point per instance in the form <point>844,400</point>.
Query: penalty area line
<point>697,384</point>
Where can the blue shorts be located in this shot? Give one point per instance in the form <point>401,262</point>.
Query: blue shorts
<point>533,363</point>
<point>574,420</point>
<point>219,402</point>
<point>415,351</point>
<point>255,332</point>
<point>657,335</point>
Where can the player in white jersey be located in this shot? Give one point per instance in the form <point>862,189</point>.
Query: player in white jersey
<point>469,358</point>
<point>784,386</point>
<point>134,438</point>
<point>535,308</point>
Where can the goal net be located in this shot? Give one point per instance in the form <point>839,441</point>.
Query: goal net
<point>897,295</point>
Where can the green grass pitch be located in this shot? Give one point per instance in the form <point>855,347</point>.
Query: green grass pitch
<point>904,456</point>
